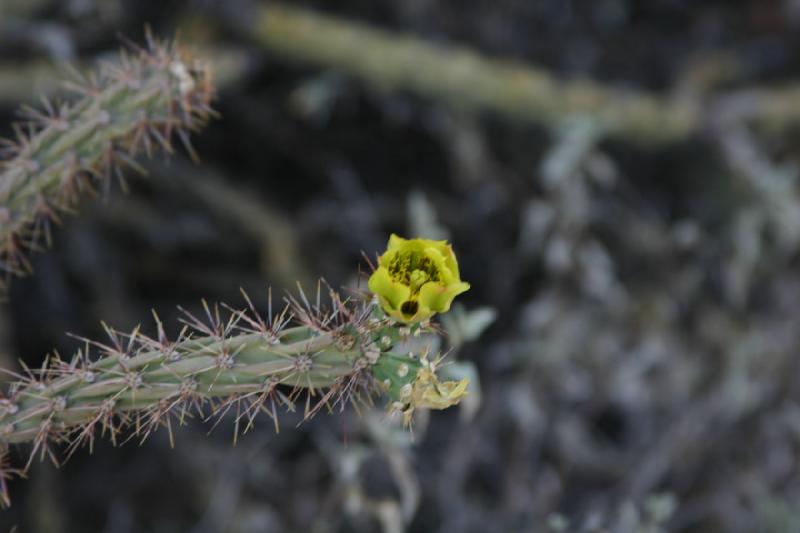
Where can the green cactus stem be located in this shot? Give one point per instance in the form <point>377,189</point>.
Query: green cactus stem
<point>136,105</point>
<point>232,362</point>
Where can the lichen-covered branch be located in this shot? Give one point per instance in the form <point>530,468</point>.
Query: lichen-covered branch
<point>62,151</point>
<point>19,81</point>
<point>463,78</point>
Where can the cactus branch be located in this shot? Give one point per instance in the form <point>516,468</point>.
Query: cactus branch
<point>63,150</point>
<point>228,361</point>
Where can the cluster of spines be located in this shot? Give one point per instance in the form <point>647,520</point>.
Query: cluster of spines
<point>137,105</point>
<point>230,361</point>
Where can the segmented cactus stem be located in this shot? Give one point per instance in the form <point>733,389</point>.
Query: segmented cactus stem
<point>230,361</point>
<point>136,105</point>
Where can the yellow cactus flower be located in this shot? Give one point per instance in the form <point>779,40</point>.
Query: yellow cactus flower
<point>416,278</point>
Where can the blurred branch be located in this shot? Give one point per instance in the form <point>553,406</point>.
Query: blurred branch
<point>21,7</point>
<point>18,82</point>
<point>520,92</point>
<point>465,78</point>
<point>282,260</point>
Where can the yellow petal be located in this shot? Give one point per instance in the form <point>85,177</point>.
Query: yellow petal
<point>438,297</point>
<point>446,252</point>
<point>389,291</point>
<point>395,242</point>
<point>450,261</point>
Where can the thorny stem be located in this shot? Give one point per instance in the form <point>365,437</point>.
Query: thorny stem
<point>63,151</point>
<point>239,363</point>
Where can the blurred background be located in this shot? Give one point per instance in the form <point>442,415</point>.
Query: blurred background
<point>618,178</point>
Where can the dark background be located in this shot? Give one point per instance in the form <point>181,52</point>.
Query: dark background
<point>642,371</point>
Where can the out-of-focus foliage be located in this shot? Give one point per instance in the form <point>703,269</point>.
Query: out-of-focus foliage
<point>638,366</point>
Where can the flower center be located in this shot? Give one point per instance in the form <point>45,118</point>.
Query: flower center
<point>413,269</point>
<point>418,279</point>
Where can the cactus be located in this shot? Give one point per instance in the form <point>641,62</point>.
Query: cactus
<point>61,151</point>
<point>231,361</point>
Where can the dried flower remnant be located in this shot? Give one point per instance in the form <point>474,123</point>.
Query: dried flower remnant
<point>416,278</point>
<point>412,383</point>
